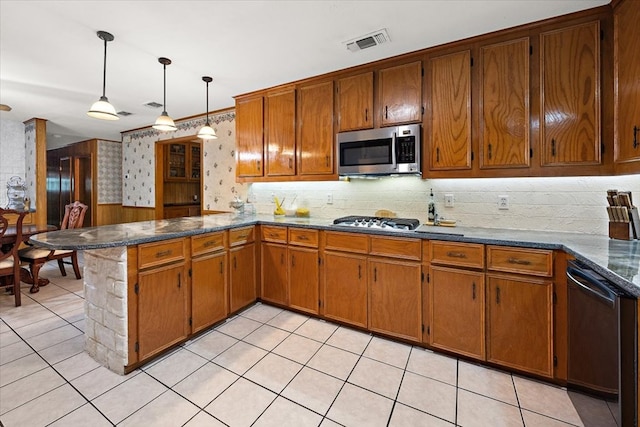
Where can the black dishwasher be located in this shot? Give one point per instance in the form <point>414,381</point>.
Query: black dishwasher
<point>602,337</point>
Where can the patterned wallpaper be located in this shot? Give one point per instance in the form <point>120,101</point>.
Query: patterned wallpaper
<point>138,162</point>
<point>12,156</point>
<point>30,160</point>
<point>109,172</point>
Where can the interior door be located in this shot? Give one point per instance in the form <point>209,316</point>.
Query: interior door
<point>66,186</point>
<point>83,185</point>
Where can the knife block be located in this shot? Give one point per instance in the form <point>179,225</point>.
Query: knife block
<point>620,230</point>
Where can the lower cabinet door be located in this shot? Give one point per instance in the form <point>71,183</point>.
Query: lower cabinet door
<point>209,301</point>
<point>274,273</point>
<point>304,275</point>
<point>345,288</point>
<point>162,309</point>
<point>457,311</point>
<point>242,281</point>
<point>395,299</point>
<point>519,331</point>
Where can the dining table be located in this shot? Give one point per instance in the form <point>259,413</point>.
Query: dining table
<point>8,240</point>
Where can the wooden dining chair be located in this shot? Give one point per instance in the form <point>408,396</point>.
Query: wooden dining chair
<point>9,260</point>
<point>37,257</point>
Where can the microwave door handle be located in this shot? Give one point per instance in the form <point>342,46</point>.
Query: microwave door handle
<point>394,160</point>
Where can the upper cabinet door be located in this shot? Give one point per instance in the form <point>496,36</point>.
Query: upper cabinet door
<point>355,102</point>
<point>504,104</point>
<point>315,127</point>
<point>281,133</point>
<point>449,126</point>
<point>627,90</point>
<point>249,137</point>
<point>570,104</point>
<point>400,91</point>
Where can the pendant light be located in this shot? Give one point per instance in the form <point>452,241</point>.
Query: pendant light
<point>164,122</point>
<point>101,109</point>
<point>207,132</point>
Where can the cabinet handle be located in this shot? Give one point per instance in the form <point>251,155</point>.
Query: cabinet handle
<point>359,272</point>
<point>497,295</point>
<point>473,290</point>
<point>635,136</point>
<point>258,163</point>
<point>209,243</point>
<point>293,261</point>
<point>179,280</point>
<point>274,235</point>
<point>326,159</point>
<point>303,237</point>
<point>375,274</point>
<point>243,236</point>
<point>452,254</point>
<point>290,163</point>
<point>437,154</point>
<point>163,253</point>
<point>366,114</point>
<point>221,268</point>
<point>489,151</point>
<point>281,259</point>
<point>386,112</point>
<point>519,261</point>
<point>553,147</point>
<point>235,264</point>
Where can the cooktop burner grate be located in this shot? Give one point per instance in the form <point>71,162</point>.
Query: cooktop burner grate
<point>400,224</point>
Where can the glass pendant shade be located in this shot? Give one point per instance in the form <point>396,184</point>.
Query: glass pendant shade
<point>164,123</point>
<point>102,109</point>
<point>207,132</point>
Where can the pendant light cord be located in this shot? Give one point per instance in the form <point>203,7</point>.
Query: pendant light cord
<point>164,66</point>
<point>207,103</point>
<point>104,70</point>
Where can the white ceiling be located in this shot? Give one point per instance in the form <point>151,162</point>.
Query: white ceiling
<point>51,58</point>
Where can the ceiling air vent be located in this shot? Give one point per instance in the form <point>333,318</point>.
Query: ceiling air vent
<point>124,113</point>
<point>368,40</point>
<point>152,104</point>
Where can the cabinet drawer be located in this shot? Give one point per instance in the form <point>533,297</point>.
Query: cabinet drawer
<point>209,242</point>
<point>303,237</point>
<point>460,254</point>
<point>158,253</point>
<point>396,247</point>
<point>240,236</point>
<point>350,242</point>
<point>537,262</point>
<point>274,234</point>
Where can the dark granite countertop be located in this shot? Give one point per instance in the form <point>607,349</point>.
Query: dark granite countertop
<point>617,260</point>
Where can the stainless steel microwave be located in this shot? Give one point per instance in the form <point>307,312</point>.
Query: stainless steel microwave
<point>384,151</point>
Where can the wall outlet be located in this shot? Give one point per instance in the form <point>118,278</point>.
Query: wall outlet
<point>448,201</point>
<point>503,202</point>
<point>329,198</point>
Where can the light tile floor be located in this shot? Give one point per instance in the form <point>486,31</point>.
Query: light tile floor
<point>263,367</point>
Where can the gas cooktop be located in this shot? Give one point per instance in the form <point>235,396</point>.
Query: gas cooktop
<point>379,223</point>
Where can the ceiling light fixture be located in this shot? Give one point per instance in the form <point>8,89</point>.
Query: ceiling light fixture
<point>207,132</point>
<point>5,107</point>
<point>101,109</point>
<point>164,122</point>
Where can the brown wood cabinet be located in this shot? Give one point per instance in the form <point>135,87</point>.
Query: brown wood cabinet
<point>504,111</point>
<point>182,162</point>
<point>242,268</point>
<point>315,129</point>
<point>570,95</point>
<point>249,137</point>
<point>400,94</point>
<point>457,307</point>
<point>161,296</point>
<point>304,273</point>
<point>519,323</point>
<point>280,124</point>
<point>274,273</point>
<point>447,126</point>
<point>627,86</point>
<point>209,299</point>
<point>355,102</point>
<point>395,296</point>
<point>345,288</point>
